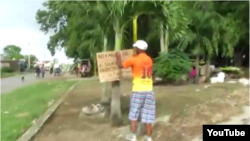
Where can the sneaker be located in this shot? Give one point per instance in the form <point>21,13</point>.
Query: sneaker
<point>147,138</point>
<point>131,137</point>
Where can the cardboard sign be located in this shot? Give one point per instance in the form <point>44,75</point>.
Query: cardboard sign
<point>107,67</point>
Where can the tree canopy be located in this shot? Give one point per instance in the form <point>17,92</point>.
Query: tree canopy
<point>201,27</point>
<point>33,58</point>
<point>12,52</point>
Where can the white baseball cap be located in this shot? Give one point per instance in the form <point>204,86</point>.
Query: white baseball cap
<point>141,45</point>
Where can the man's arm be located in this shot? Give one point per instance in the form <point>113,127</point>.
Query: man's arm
<point>125,64</point>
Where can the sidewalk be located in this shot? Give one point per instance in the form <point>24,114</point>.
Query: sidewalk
<point>11,83</point>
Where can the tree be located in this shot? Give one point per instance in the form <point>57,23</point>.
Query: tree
<point>237,12</point>
<point>33,58</point>
<point>13,52</point>
<point>212,32</point>
<point>81,38</point>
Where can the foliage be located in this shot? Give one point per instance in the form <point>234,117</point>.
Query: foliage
<point>12,52</point>
<point>213,32</point>
<point>172,65</point>
<point>230,69</point>
<point>79,28</point>
<point>198,27</point>
<point>6,70</point>
<point>33,58</point>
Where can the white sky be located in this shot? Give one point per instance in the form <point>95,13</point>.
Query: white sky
<point>18,26</point>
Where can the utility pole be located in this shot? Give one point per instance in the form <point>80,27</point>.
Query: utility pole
<point>44,52</point>
<point>29,55</point>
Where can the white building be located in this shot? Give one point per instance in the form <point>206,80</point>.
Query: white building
<point>2,57</point>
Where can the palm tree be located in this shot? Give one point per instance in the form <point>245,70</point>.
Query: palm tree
<point>209,29</point>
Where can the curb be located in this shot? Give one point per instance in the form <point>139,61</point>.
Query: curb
<point>36,127</point>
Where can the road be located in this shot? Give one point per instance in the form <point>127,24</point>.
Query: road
<point>11,83</point>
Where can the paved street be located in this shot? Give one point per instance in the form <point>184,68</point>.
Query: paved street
<point>11,83</point>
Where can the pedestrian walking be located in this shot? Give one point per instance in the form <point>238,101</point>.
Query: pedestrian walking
<point>37,71</point>
<point>42,71</point>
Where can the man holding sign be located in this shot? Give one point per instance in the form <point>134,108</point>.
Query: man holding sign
<point>142,99</point>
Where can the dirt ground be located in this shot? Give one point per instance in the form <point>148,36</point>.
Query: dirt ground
<point>181,102</point>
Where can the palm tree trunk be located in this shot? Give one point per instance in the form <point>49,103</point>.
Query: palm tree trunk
<point>116,114</point>
<point>106,87</point>
<point>166,39</point>
<point>95,67</point>
<point>161,37</point>
<point>135,28</point>
<point>135,31</point>
<point>106,93</point>
<point>208,60</point>
<point>105,42</point>
<point>197,68</point>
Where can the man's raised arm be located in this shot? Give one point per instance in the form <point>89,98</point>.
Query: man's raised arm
<point>125,64</point>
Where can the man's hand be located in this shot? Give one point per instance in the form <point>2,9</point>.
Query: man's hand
<point>118,55</point>
<point>118,59</point>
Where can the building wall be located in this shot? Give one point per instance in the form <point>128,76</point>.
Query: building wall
<point>14,64</point>
<point>2,57</point>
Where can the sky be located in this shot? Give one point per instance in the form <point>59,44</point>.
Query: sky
<point>18,27</point>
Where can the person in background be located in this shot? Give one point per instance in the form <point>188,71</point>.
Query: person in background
<point>79,66</point>
<point>192,73</point>
<point>37,71</point>
<point>42,71</point>
<point>142,99</point>
<point>51,69</point>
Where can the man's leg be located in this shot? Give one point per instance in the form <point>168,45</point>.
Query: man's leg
<point>148,114</point>
<point>136,101</point>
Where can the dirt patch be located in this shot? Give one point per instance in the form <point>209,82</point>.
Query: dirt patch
<point>181,101</point>
<point>188,125</point>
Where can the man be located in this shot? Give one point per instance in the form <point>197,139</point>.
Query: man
<point>56,69</point>
<point>37,69</point>
<point>42,70</point>
<point>79,66</point>
<point>51,69</point>
<point>142,100</point>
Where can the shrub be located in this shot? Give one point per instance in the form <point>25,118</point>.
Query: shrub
<point>172,65</point>
<point>231,70</point>
<point>6,70</point>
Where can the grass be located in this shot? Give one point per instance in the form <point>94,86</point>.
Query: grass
<point>5,74</point>
<point>24,105</point>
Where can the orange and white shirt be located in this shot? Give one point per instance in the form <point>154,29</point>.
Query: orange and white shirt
<point>142,69</point>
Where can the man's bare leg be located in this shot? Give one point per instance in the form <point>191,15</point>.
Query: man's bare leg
<point>148,133</point>
<point>132,137</point>
<point>148,130</point>
<point>133,126</point>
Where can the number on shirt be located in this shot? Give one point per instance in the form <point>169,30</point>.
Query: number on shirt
<point>147,72</point>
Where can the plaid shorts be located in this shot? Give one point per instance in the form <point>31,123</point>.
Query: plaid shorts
<point>142,103</point>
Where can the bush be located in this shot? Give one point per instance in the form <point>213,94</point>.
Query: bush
<point>172,65</point>
<point>6,70</point>
<point>231,70</point>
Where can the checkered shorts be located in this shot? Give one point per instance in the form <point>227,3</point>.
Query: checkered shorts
<point>142,103</point>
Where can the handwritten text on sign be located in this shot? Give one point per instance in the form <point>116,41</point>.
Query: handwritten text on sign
<point>107,67</point>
